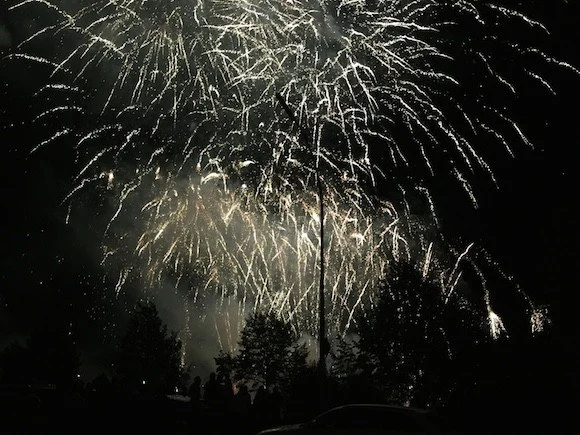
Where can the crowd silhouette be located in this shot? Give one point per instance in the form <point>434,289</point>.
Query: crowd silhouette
<point>225,406</point>
<point>147,391</point>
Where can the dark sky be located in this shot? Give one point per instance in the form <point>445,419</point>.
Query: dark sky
<point>529,225</point>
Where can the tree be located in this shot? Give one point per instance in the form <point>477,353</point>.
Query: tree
<point>50,356</point>
<point>149,358</point>
<point>269,353</point>
<point>56,355</point>
<point>225,364</point>
<point>406,340</point>
<point>16,364</point>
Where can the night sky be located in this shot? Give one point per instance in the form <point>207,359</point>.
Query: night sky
<point>529,224</point>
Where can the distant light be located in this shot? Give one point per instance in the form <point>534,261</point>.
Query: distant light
<point>144,382</point>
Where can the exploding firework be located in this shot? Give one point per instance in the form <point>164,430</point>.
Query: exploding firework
<point>213,177</point>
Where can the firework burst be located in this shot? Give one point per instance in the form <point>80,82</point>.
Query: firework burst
<point>214,177</point>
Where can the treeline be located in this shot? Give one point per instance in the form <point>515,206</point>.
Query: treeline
<point>146,361</point>
<point>413,346</point>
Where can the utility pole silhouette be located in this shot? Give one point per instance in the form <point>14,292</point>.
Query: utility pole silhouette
<point>322,341</point>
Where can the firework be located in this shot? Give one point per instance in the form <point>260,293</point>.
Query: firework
<point>211,175</point>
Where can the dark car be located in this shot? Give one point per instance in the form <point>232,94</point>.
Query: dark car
<point>364,419</point>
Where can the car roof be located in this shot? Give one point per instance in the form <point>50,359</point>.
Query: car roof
<point>378,406</point>
<point>404,418</point>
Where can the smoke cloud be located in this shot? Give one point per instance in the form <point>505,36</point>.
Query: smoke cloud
<point>5,37</point>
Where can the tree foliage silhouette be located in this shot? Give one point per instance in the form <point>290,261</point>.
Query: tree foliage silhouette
<point>269,353</point>
<point>149,358</point>
<point>409,337</point>
<point>16,364</point>
<point>56,354</point>
<point>50,356</point>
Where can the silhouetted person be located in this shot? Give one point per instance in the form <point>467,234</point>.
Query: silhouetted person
<point>221,395</point>
<point>210,393</point>
<point>194,392</point>
<point>228,393</point>
<point>241,408</point>
<point>229,387</point>
<point>242,402</point>
<point>276,402</point>
<point>101,388</point>
<point>260,406</point>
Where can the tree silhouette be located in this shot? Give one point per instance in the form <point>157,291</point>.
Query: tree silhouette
<point>16,364</point>
<point>225,364</point>
<point>50,356</point>
<point>269,353</point>
<point>55,352</point>
<point>407,340</point>
<point>149,358</point>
